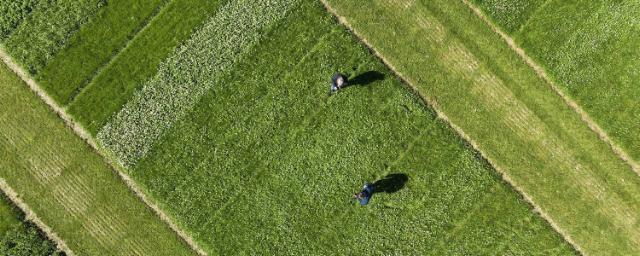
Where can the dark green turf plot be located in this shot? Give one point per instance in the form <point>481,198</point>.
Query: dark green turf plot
<point>267,162</point>
<point>47,30</point>
<point>112,87</point>
<point>94,45</point>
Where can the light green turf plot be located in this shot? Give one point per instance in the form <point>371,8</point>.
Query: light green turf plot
<point>590,49</point>
<point>457,62</point>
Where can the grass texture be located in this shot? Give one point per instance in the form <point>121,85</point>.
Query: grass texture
<point>516,119</point>
<point>18,237</point>
<point>180,83</point>
<point>94,45</point>
<point>13,13</point>
<point>590,48</point>
<point>111,88</point>
<point>47,30</point>
<point>70,187</point>
<point>264,162</point>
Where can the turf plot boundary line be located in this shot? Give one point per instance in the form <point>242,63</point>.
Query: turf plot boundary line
<point>584,116</point>
<point>440,114</point>
<point>115,57</point>
<point>84,135</point>
<point>30,215</point>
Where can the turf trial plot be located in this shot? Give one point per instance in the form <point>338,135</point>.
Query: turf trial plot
<point>251,156</point>
<point>460,65</point>
<point>69,186</point>
<point>590,49</point>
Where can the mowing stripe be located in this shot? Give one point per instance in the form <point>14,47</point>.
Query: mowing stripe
<point>457,129</point>
<point>542,74</point>
<point>84,135</point>
<point>31,216</point>
<point>184,77</point>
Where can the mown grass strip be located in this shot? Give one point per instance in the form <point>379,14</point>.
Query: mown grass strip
<point>266,162</point>
<point>69,186</point>
<point>113,86</point>
<point>47,30</point>
<point>94,45</point>
<point>175,89</point>
<point>518,122</point>
<point>590,50</point>
<point>578,109</point>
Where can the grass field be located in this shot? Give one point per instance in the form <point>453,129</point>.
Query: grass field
<point>219,110</point>
<point>19,238</point>
<point>69,186</point>
<point>101,38</point>
<point>128,71</point>
<point>236,137</point>
<point>590,50</point>
<point>512,115</point>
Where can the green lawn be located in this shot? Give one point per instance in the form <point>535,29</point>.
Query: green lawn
<point>137,63</point>
<point>91,48</point>
<point>69,186</point>
<point>458,63</point>
<point>590,49</point>
<point>18,238</point>
<point>256,158</point>
<point>42,34</point>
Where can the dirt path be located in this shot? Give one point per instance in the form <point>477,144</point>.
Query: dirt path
<point>33,217</point>
<point>84,135</point>
<point>457,129</point>
<point>542,74</point>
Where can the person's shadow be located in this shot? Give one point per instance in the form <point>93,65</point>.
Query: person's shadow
<point>366,78</point>
<point>391,183</point>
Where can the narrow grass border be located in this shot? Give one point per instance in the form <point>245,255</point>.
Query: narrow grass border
<point>440,114</point>
<point>570,102</point>
<point>30,215</point>
<point>85,136</point>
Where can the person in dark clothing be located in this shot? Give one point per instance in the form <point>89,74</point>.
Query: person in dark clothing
<point>365,194</point>
<point>338,81</point>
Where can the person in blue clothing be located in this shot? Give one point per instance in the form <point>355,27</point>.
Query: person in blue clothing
<point>365,194</point>
<point>338,81</point>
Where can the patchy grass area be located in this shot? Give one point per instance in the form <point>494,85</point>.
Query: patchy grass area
<point>94,45</point>
<point>591,50</point>
<point>69,186</point>
<point>256,158</point>
<point>516,119</point>
<point>19,238</point>
<point>139,62</point>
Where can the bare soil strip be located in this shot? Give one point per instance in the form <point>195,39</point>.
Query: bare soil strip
<point>82,133</point>
<point>31,216</point>
<point>542,74</point>
<point>457,129</point>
